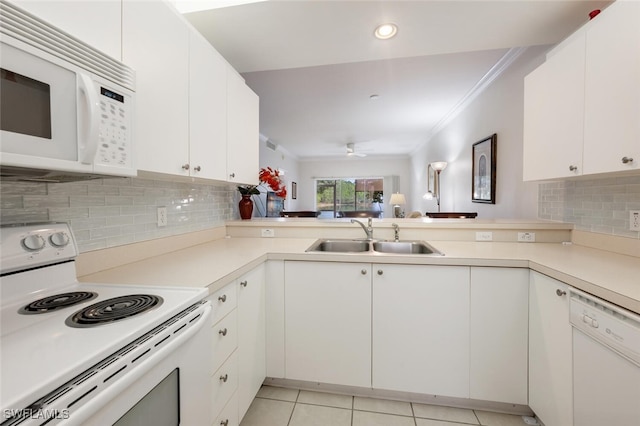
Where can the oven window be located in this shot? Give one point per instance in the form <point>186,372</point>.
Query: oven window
<point>160,407</point>
<point>25,105</point>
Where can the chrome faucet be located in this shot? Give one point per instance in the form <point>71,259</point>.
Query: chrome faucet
<point>368,229</point>
<point>396,232</point>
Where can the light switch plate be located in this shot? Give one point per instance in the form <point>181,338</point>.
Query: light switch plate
<point>634,220</point>
<point>484,236</point>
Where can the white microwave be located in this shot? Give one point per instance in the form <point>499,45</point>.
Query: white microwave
<point>66,109</point>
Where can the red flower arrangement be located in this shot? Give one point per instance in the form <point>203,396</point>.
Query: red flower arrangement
<point>269,177</point>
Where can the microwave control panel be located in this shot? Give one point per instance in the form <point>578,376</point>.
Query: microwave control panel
<point>115,137</point>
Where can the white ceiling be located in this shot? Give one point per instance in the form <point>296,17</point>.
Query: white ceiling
<point>315,63</point>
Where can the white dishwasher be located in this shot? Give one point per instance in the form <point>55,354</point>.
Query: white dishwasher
<point>606,363</point>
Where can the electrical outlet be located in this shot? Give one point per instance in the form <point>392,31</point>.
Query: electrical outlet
<point>634,220</point>
<point>162,216</point>
<point>268,233</point>
<point>526,237</point>
<point>484,236</point>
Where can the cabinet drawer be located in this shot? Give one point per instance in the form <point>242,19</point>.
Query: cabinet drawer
<point>224,383</point>
<point>229,414</point>
<point>224,339</point>
<point>224,300</point>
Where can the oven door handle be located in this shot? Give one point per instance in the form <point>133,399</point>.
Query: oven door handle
<point>92,406</point>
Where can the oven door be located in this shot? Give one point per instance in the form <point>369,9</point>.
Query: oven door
<point>41,97</point>
<point>172,391</point>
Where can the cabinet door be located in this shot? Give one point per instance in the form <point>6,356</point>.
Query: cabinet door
<point>155,42</point>
<point>97,23</point>
<point>554,114</point>
<point>242,131</point>
<point>612,90</point>
<point>274,295</point>
<point>328,322</point>
<point>421,329</point>
<point>550,352</point>
<point>251,337</point>
<point>207,110</point>
<point>499,334</point>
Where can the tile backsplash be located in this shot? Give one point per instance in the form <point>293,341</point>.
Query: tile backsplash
<point>596,205</point>
<point>115,211</point>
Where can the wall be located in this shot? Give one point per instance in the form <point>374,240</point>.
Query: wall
<point>353,167</point>
<point>116,211</point>
<point>499,109</point>
<point>593,204</point>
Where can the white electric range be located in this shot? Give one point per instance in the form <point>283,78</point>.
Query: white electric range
<point>79,353</point>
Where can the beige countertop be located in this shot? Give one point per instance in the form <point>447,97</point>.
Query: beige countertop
<point>613,277</point>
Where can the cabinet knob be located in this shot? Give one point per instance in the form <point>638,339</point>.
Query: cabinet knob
<point>560,292</point>
<point>223,332</point>
<point>222,298</point>
<point>573,168</point>
<point>224,378</point>
<point>243,283</point>
<point>363,272</point>
<point>225,422</point>
<point>627,160</point>
<point>185,167</point>
<point>232,175</point>
<point>380,272</point>
<point>197,168</point>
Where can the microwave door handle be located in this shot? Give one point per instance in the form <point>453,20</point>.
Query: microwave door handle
<point>88,143</point>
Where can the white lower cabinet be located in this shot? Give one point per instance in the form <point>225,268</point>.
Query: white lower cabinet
<point>550,351</point>
<point>498,334</point>
<point>224,383</point>
<point>251,336</point>
<point>229,414</point>
<point>421,329</point>
<point>224,356</point>
<point>328,322</point>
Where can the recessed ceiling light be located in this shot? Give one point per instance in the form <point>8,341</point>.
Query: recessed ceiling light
<point>385,31</point>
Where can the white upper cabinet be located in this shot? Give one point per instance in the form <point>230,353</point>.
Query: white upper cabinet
<point>612,90</point>
<point>195,115</point>
<point>243,133</point>
<point>97,23</point>
<point>582,106</point>
<point>207,110</point>
<point>554,116</point>
<point>156,45</point>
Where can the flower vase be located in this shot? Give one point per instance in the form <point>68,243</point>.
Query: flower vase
<point>245,206</point>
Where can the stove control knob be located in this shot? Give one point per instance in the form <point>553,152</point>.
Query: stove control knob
<point>33,242</point>
<point>59,239</point>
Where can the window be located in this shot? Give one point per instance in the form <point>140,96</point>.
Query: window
<point>338,197</point>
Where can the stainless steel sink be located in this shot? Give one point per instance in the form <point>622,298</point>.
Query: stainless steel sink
<point>373,247</point>
<point>340,246</point>
<point>405,247</point>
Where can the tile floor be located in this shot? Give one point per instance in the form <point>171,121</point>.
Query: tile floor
<point>275,406</point>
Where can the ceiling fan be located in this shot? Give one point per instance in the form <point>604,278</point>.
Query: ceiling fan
<point>351,151</point>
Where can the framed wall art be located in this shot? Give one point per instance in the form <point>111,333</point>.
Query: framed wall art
<point>483,183</point>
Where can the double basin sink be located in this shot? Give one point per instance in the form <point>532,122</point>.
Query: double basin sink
<point>373,246</point>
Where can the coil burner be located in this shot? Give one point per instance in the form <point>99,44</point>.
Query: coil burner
<point>57,301</point>
<point>115,309</point>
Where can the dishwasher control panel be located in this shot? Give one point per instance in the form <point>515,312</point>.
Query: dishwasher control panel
<point>607,323</point>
